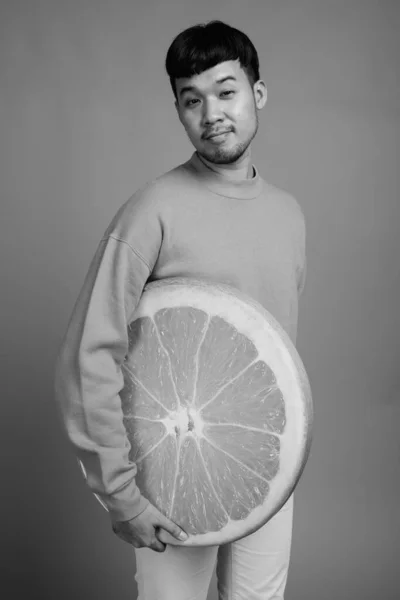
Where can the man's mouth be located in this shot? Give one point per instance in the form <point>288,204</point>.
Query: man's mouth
<point>217,134</point>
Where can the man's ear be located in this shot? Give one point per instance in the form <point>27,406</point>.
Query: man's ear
<point>260,94</point>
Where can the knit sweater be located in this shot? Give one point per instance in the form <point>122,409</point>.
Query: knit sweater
<point>189,222</point>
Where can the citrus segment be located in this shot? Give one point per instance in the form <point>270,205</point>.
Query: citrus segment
<point>195,505</point>
<point>159,455</point>
<point>223,354</point>
<point>181,331</point>
<point>252,448</point>
<point>239,489</point>
<point>146,405</point>
<point>252,399</point>
<point>149,368</point>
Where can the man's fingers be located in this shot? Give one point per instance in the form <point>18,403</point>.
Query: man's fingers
<point>158,546</point>
<point>173,529</point>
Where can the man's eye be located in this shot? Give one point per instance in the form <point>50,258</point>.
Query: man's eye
<point>190,102</point>
<point>228,92</point>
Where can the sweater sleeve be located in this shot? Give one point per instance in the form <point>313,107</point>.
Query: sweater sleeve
<point>302,258</point>
<point>302,279</point>
<point>89,377</point>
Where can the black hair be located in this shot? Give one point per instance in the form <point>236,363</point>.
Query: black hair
<point>203,46</point>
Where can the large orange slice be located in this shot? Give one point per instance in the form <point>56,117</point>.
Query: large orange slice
<point>217,407</point>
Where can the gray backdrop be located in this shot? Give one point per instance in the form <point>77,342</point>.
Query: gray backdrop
<point>87,117</point>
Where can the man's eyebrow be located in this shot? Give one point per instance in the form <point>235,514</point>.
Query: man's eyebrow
<point>191,88</point>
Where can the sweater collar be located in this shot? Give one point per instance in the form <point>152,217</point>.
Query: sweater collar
<point>245,189</point>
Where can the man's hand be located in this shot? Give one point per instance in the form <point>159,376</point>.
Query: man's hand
<point>140,531</point>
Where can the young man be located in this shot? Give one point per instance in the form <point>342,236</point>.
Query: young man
<point>212,217</point>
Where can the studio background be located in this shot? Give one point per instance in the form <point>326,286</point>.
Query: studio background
<point>87,117</point>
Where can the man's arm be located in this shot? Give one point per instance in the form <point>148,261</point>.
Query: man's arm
<point>89,377</point>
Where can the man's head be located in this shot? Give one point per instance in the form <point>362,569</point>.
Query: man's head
<point>214,75</point>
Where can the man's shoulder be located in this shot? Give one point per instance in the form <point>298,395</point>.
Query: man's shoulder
<point>151,201</point>
<point>159,190</point>
<point>285,200</point>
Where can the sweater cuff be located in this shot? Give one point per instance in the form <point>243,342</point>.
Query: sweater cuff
<point>126,504</point>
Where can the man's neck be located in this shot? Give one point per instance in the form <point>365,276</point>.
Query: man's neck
<point>238,171</point>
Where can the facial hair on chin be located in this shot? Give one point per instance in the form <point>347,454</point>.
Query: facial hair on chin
<point>222,156</point>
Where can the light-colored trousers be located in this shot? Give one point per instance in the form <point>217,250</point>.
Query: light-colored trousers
<point>253,568</point>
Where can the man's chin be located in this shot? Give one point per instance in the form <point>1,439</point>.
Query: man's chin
<point>221,156</point>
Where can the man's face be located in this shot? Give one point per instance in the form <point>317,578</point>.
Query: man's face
<point>220,100</point>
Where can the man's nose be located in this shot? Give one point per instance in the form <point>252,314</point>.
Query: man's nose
<point>212,112</point>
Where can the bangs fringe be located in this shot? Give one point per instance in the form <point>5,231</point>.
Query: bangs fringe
<point>204,46</point>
